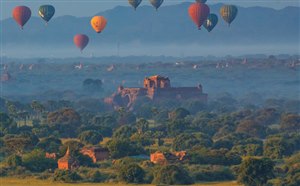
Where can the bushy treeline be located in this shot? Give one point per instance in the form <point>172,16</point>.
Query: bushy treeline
<point>224,139</point>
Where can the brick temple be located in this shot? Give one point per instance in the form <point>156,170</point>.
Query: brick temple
<point>156,88</point>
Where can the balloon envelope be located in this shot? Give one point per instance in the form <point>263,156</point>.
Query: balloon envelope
<point>156,3</point>
<point>229,13</point>
<point>81,41</point>
<point>210,22</point>
<point>134,3</point>
<point>201,1</point>
<point>46,12</point>
<point>21,14</point>
<point>98,23</point>
<point>199,13</point>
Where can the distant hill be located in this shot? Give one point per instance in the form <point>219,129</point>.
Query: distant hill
<point>170,25</point>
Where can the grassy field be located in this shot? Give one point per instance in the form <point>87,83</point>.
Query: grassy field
<point>35,182</point>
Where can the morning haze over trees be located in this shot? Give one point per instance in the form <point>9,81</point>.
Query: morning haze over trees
<point>151,119</point>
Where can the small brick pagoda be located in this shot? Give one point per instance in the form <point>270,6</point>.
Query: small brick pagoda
<point>67,162</point>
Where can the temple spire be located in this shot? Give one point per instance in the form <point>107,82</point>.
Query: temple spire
<point>68,151</point>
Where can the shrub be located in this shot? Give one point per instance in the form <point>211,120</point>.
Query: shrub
<point>90,137</point>
<point>36,161</point>
<point>172,174</point>
<point>66,176</point>
<point>13,160</point>
<point>131,173</point>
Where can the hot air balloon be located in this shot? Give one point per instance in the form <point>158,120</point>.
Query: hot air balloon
<point>46,12</point>
<point>229,13</point>
<point>134,3</point>
<point>199,13</point>
<point>98,23</point>
<point>201,1</point>
<point>156,3</point>
<point>21,14</point>
<point>81,41</point>
<point>210,22</point>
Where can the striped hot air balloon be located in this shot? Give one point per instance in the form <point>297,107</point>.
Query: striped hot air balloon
<point>81,41</point>
<point>21,14</point>
<point>199,13</point>
<point>134,3</point>
<point>229,13</point>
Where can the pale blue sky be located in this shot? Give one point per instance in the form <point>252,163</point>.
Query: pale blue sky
<point>90,7</point>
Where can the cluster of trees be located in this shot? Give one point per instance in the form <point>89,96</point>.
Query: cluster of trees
<point>256,146</point>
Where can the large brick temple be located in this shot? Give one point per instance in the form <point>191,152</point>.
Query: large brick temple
<point>156,88</point>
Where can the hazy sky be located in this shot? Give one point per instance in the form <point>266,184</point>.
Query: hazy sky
<point>90,7</point>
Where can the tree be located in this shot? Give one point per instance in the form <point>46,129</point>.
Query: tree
<point>172,175</point>
<point>187,141</point>
<point>91,85</point>
<point>252,128</point>
<point>106,121</point>
<point>12,109</point>
<point>176,127</point>
<point>277,147</point>
<point>131,173</point>
<point>36,161</point>
<point>7,125</point>
<point>142,126</point>
<point>73,145</point>
<point>119,148</point>
<point>38,108</point>
<point>20,143</point>
<point>66,116</point>
<point>248,150</point>
<point>290,122</point>
<point>144,139</point>
<point>159,135</point>
<point>13,160</point>
<point>66,176</point>
<point>124,132</point>
<point>292,176</point>
<point>179,113</point>
<point>255,171</point>
<point>90,137</point>
<point>50,144</point>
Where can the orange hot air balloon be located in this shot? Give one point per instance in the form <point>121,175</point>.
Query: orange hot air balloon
<point>98,23</point>
<point>199,13</point>
<point>81,41</point>
<point>21,14</point>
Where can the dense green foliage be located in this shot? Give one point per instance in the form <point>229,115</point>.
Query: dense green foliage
<point>255,171</point>
<point>131,173</point>
<point>172,175</point>
<point>224,139</point>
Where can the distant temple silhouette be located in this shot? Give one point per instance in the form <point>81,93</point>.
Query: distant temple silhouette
<point>156,88</point>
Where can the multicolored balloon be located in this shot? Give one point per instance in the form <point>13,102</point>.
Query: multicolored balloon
<point>81,41</point>
<point>199,13</point>
<point>134,3</point>
<point>46,12</point>
<point>21,14</point>
<point>98,23</point>
<point>156,3</point>
<point>210,22</point>
<point>229,13</point>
